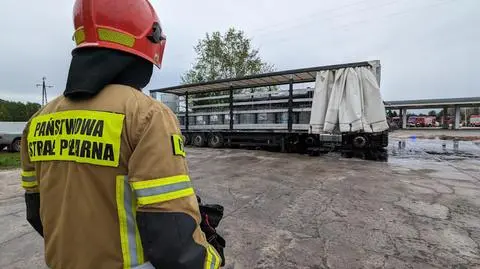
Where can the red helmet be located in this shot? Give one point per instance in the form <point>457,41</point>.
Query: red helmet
<point>131,26</point>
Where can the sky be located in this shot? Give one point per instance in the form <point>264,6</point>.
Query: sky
<point>427,48</point>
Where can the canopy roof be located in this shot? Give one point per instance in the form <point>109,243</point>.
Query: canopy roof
<point>262,80</point>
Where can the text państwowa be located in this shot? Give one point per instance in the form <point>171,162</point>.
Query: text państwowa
<point>82,136</point>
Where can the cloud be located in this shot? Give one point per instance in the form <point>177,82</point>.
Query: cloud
<point>428,48</point>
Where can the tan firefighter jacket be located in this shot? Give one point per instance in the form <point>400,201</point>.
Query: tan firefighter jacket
<point>95,164</point>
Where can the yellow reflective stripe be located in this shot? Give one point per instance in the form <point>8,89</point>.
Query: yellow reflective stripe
<point>213,259</point>
<point>208,259</point>
<point>122,217</point>
<point>29,184</point>
<point>28,173</point>
<point>132,250</point>
<point>162,189</point>
<point>79,35</point>
<point>165,197</point>
<point>29,179</point>
<point>159,182</point>
<point>138,241</point>
<point>116,37</point>
<point>218,260</point>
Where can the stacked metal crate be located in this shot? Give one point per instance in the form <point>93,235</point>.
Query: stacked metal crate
<point>252,111</point>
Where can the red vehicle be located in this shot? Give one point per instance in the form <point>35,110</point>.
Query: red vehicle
<point>475,121</point>
<point>425,121</point>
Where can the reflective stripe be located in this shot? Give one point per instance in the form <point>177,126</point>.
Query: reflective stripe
<point>132,249</point>
<point>116,37</point>
<point>162,189</point>
<point>79,36</point>
<point>29,179</point>
<point>26,184</point>
<point>28,173</point>
<point>213,259</point>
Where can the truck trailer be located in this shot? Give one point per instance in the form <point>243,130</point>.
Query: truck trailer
<point>311,110</point>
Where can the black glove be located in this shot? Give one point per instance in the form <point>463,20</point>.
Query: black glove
<point>32,202</point>
<point>211,216</point>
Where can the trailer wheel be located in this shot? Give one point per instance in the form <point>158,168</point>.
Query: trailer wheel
<point>310,141</point>
<point>359,142</point>
<point>198,140</point>
<point>215,140</point>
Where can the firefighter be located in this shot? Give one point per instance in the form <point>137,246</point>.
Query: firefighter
<point>103,165</point>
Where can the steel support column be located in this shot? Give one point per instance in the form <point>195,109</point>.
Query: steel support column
<point>231,108</point>
<point>457,118</point>
<point>445,118</point>
<point>403,114</point>
<point>186,112</point>
<point>290,107</point>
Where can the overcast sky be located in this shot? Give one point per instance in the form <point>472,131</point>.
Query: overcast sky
<point>427,48</point>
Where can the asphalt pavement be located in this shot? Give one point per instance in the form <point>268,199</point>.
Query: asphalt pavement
<point>420,209</point>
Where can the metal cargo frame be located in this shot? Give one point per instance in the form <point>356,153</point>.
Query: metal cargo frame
<point>288,135</point>
<point>288,77</point>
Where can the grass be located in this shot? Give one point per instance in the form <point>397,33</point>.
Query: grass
<point>9,160</point>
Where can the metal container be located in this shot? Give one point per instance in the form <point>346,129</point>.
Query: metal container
<point>282,117</point>
<point>170,100</point>
<point>227,119</point>
<point>249,118</point>
<point>201,120</point>
<point>191,120</point>
<point>304,118</point>
<point>266,118</point>
<point>216,119</point>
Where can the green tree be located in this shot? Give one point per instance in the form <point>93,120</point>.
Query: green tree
<point>432,113</point>
<point>31,108</point>
<point>224,56</point>
<point>17,111</point>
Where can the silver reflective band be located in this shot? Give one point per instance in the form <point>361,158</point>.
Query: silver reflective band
<point>163,189</point>
<point>211,254</point>
<point>131,245</point>
<point>29,179</point>
<point>212,265</point>
<point>131,224</point>
<point>147,265</point>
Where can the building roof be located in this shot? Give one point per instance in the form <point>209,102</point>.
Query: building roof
<point>262,80</point>
<point>466,101</point>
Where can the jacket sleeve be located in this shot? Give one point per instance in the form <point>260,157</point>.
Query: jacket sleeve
<point>168,216</point>
<point>30,185</point>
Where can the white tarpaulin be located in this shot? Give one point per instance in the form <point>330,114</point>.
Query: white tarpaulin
<point>347,100</point>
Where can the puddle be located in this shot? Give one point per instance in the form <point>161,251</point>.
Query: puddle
<point>446,149</point>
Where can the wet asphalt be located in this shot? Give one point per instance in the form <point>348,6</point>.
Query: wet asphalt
<point>420,209</point>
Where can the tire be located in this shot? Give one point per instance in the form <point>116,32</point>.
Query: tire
<point>359,141</point>
<point>198,140</point>
<point>310,141</point>
<point>215,140</point>
<point>186,139</point>
<point>16,145</point>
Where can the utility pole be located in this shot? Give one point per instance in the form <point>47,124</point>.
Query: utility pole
<point>44,90</point>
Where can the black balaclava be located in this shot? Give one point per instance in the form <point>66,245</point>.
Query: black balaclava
<point>91,69</point>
